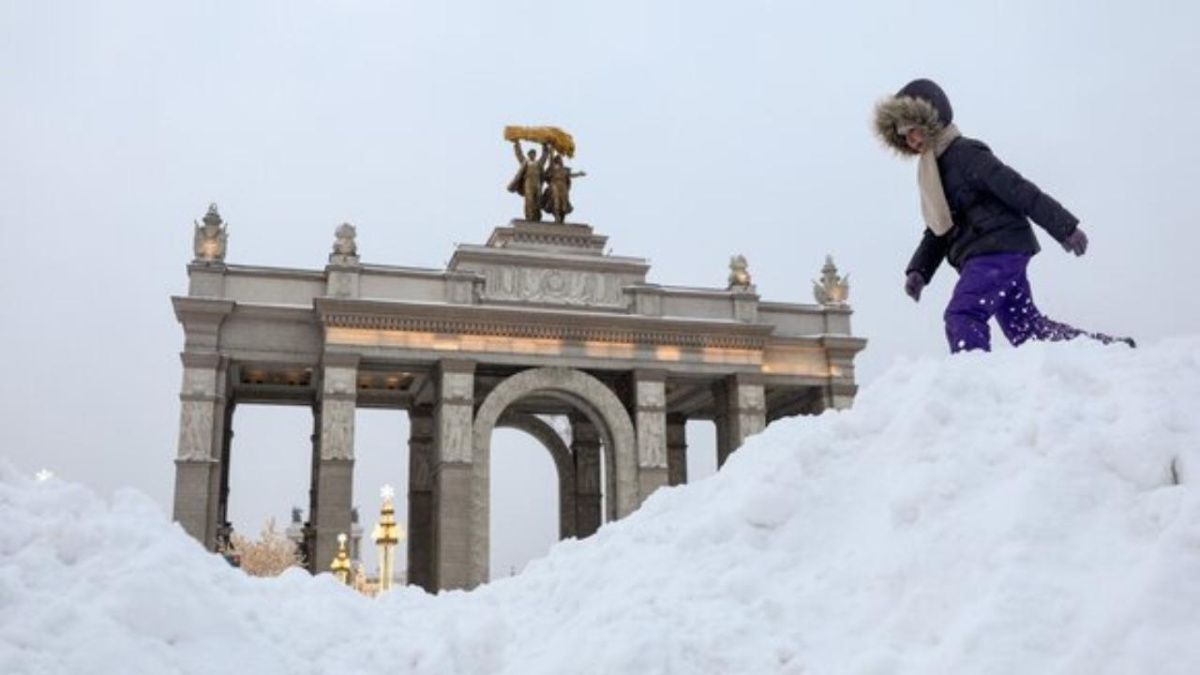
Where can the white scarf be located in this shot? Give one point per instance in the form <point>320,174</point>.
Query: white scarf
<point>934,207</point>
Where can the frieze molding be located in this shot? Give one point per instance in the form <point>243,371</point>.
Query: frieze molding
<point>579,333</point>
<point>513,283</point>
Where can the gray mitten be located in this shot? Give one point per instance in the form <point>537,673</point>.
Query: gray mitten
<point>1076,242</point>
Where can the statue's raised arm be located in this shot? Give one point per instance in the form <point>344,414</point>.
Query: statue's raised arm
<point>517,152</point>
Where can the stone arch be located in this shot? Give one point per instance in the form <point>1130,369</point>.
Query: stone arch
<point>583,392</point>
<point>564,464</point>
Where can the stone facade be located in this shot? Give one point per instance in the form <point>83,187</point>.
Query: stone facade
<point>537,324</point>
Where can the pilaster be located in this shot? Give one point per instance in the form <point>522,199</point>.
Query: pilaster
<point>460,511</point>
<point>741,412</point>
<point>585,449</point>
<point>335,467</point>
<point>650,420</point>
<point>203,417</point>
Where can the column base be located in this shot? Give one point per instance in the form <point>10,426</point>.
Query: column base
<point>195,506</point>
<point>452,500</point>
<point>335,481</point>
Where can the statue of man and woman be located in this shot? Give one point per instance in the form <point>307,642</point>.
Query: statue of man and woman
<point>555,197</point>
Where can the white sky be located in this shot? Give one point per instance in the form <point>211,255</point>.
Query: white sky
<point>706,129</point>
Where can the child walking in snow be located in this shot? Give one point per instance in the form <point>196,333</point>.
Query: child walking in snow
<point>975,209</point>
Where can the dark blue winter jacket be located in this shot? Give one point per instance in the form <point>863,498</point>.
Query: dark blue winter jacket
<point>989,203</point>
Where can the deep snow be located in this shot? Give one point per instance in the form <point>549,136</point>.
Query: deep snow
<point>1015,512</point>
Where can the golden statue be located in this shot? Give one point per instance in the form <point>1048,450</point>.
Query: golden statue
<point>528,181</point>
<point>555,198</point>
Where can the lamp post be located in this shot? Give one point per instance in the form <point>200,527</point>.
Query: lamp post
<point>341,562</point>
<point>387,535</point>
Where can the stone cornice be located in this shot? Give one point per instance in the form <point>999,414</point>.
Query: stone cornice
<point>296,313</point>
<point>210,309</point>
<point>523,233</point>
<point>275,272</point>
<point>503,256</point>
<point>544,324</point>
<point>802,307</point>
<point>843,344</point>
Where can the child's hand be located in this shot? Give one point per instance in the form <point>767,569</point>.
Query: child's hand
<point>913,285</point>
<point>1076,242</point>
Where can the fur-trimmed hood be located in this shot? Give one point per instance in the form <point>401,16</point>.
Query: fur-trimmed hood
<point>921,104</point>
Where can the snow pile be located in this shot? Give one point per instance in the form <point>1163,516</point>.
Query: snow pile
<point>1028,511</point>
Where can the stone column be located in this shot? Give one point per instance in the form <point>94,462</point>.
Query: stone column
<point>202,418</point>
<point>420,497</point>
<point>585,448</point>
<point>741,412</point>
<point>459,521</point>
<point>335,467</point>
<point>676,449</point>
<point>650,421</point>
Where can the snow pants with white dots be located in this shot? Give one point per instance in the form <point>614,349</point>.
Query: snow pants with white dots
<point>996,285</point>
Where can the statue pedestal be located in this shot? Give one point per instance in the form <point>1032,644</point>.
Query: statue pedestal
<point>550,264</point>
<point>550,237</point>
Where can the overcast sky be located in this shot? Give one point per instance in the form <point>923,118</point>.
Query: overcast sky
<point>706,129</point>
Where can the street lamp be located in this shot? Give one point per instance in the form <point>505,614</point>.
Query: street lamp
<point>387,535</point>
<point>341,562</point>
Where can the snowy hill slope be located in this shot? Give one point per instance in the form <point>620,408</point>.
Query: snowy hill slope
<point>1028,511</point>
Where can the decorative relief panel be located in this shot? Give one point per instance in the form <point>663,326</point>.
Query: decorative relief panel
<point>652,439</point>
<point>751,423</point>
<point>196,430</point>
<point>553,286</point>
<point>751,396</point>
<point>337,430</point>
<point>421,468</point>
<point>651,395</point>
<point>458,387</point>
<point>454,433</point>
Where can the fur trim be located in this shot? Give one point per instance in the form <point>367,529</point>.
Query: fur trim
<point>894,111</point>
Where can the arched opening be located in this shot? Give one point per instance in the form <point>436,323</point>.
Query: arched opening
<point>594,402</point>
<point>524,500</point>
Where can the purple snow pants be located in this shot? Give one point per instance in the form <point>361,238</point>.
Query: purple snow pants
<point>996,285</point>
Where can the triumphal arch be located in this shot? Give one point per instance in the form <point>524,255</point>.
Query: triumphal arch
<point>536,325</point>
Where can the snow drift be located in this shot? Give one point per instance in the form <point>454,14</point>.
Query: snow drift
<point>1027,511</point>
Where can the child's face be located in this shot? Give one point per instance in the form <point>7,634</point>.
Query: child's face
<point>915,137</point>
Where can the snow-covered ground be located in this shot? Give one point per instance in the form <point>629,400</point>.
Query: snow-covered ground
<point>1028,511</point>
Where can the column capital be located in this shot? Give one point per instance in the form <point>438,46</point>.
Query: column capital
<point>340,360</point>
<point>649,375</point>
<point>205,359</point>
<point>456,366</point>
